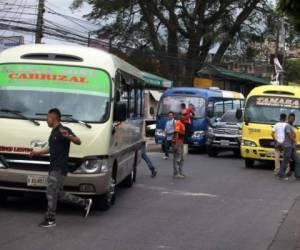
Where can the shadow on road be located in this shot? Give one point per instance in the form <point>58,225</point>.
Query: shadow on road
<point>37,203</point>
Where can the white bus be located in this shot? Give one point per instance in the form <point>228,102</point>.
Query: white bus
<point>101,100</point>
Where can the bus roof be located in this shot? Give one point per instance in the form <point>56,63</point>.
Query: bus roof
<point>87,57</point>
<point>276,90</point>
<point>217,93</point>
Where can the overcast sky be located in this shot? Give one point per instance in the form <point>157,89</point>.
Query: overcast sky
<point>61,6</point>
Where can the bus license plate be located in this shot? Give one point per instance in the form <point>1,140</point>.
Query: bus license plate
<point>36,181</point>
<point>224,143</point>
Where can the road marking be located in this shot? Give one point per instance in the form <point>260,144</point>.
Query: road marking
<point>190,194</point>
<point>176,192</point>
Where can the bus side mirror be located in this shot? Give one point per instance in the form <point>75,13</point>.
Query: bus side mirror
<point>151,111</point>
<point>239,114</point>
<point>120,112</point>
<point>210,113</point>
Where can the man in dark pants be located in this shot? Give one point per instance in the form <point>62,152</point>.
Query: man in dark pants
<point>289,150</point>
<point>148,161</point>
<point>59,147</point>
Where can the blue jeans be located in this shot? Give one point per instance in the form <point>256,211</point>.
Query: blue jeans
<point>168,144</point>
<point>147,159</point>
<point>288,154</point>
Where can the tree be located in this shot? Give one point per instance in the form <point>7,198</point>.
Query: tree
<point>293,70</point>
<point>292,9</point>
<point>178,33</point>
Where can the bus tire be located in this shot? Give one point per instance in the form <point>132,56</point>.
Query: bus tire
<point>237,153</point>
<point>105,201</point>
<point>3,198</point>
<point>129,180</point>
<point>212,152</point>
<point>249,163</point>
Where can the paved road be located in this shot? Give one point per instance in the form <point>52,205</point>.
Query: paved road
<point>220,206</point>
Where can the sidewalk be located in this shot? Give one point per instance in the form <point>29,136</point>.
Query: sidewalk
<point>288,234</point>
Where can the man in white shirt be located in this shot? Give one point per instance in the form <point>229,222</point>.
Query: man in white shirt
<point>278,134</point>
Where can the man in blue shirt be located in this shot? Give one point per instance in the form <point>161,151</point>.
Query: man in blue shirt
<point>169,133</point>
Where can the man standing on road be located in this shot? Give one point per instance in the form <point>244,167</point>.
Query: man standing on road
<point>289,150</point>
<point>278,134</point>
<point>178,148</point>
<point>59,147</point>
<point>169,133</point>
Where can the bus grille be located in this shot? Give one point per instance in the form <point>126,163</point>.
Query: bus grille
<point>24,162</point>
<point>267,143</point>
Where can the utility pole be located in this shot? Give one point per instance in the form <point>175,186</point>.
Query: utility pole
<point>40,22</point>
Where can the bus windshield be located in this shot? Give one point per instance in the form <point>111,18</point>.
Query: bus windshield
<point>173,103</point>
<point>266,110</point>
<point>82,93</point>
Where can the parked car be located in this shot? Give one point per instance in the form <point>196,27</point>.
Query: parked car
<point>224,134</point>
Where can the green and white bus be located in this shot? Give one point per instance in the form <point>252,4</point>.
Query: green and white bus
<point>101,100</point>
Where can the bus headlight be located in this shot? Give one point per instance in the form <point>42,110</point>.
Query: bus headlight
<point>159,132</point>
<point>93,166</point>
<point>198,134</point>
<point>210,130</point>
<point>248,143</point>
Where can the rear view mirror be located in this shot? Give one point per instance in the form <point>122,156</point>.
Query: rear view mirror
<point>120,112</point>
<point>239,114</point>
<point>210,113</point>
<point>152,111</point>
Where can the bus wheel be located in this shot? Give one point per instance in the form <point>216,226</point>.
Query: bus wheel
<point>249,163</point>
<point>3,198</point>
<point>237,153</point>
<point>212,152</point>
<point>105,201</point>
<point>129,180</point>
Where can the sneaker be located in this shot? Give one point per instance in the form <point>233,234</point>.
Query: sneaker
<point>48,223</point>
<point>87,207</point>
<point>289,174</point>
<point>176,176</point>
<point>166,157</point>
<point>181,176</point>
<point>283,178</point>
<point>154,173</point>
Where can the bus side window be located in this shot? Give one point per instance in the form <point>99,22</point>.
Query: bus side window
<point>132,106</point>
<point>237,104</point>
<point>125,95</point>
<point>228,105</point>
<point>142,102</point>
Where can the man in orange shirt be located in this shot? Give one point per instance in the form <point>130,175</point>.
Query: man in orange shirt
<point>178,148</point>
<point>187,113</point>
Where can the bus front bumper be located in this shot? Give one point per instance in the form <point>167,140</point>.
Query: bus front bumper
<point>80,184</point>
<point>197,141</point>
<point>258,153</point>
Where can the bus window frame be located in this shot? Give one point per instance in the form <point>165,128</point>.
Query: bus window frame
<point>107,116</point>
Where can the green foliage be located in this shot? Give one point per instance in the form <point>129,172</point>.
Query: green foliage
<point>177,34</point>
<point>293,70</point>
<point>292,9</point>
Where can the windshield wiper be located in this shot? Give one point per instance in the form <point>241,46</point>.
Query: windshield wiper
<point>70,117</point>
<point>78,121</point>
<point>19,113</point>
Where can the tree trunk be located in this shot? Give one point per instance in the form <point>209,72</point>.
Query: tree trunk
<point>251,4</point>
